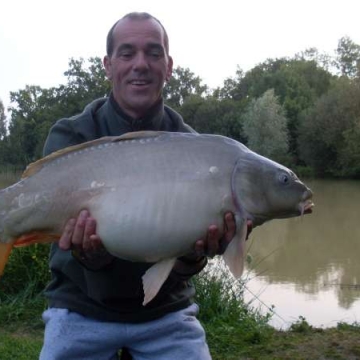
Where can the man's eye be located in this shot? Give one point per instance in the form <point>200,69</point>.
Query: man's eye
<point>156,53</point>
<point>125,54</point>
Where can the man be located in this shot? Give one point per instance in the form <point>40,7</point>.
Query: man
<point>95,300</point>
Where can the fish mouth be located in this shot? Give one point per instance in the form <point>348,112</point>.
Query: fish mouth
<point>305,207</point>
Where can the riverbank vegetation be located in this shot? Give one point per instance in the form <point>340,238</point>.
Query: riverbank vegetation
<point>234,329</point>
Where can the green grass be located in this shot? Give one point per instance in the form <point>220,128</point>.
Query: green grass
<point>20,345</point>
<point>231,325</point>
<point>234,329</point>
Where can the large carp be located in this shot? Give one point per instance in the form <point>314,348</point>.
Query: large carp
<point>153,195</point>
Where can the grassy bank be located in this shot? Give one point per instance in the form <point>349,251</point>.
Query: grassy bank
<point>234,330</point>
<point>226,342</point>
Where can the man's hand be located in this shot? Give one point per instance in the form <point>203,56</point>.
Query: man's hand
<point>80,236</point>
<point>213,244</point>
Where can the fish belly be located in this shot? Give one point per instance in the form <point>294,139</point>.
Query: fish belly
<point>158,221</point>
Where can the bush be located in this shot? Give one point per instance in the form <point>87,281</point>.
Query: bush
<point>230,323</point>
<point>25,277</point>
<point>26,265</point>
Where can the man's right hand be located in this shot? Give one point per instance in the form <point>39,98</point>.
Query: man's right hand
<point>80,236</point>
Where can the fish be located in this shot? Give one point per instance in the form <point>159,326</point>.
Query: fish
<point>153,194</point>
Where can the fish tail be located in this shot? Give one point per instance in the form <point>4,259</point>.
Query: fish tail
<point>23,240</point>
<point>5,250</point>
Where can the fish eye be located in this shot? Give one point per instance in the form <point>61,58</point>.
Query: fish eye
<point>284,178</point>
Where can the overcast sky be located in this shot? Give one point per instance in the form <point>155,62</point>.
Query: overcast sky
<point>38,37</point>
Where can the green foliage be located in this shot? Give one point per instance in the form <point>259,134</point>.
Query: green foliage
<point>181,85</point>
<point>2,121</point>
<point>348,57</point>
<point>25,307</point>
<point>214,116</point>
<point>265,126</point>
<point>25,277</point>
<point>35,109</point>
<point>353,327</point>
<point>232,88</point>
<point>19,346</point>
<point>26,265</point>
<point>301,326</point>
<point>297,83</point>
<point>230,323</point>
<point>329,132</point>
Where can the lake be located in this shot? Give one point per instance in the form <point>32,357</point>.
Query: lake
<point>310,266</point>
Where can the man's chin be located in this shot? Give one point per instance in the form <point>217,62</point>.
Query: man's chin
<point>139,107</point>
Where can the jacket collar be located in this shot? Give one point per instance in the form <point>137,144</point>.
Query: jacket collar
<point>152,121</point>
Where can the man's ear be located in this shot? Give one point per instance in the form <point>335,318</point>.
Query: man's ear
<point>169,69</point>
<point>107,66</point>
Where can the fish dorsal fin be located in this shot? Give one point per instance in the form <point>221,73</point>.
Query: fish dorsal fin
<point>138,135</point>
<point>34,167</point>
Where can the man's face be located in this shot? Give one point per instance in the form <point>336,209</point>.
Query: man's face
<point>138,66</point>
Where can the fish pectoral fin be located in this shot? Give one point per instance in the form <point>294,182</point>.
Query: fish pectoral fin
<point>5,250</point>
<point>35,237</point>
<point>234,255</point>
<point>154,278</point>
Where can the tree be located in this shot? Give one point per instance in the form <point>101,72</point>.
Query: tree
<point>2,121</point>
<point>231,88</point>
<point>181,85</point>
<point>297,83</point>
<point>36,109</point>
<point>213,116</point>
<point>265,127</point>
<point>329,134</point>
<point>86,81</point>
<point>312,54</point>
<point>348,57</point>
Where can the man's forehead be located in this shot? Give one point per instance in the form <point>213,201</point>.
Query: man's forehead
<point>143,30</point>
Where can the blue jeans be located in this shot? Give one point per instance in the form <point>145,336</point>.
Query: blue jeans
<point>71,336</point>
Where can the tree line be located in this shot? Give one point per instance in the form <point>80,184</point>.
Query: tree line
<point>302,111</point>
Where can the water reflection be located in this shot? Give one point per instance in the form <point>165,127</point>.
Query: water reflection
<point>317,255</point>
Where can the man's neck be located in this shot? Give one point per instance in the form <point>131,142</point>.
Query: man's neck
<point>138,113</point>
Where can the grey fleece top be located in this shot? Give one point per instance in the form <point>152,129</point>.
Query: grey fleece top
<point>113,293</point>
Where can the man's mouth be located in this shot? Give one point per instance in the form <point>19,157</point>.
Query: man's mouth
<point>139,82</point>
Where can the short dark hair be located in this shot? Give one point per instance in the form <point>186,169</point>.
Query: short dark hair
<point>134,16</point>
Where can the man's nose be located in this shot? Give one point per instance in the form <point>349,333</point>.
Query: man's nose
<point>140,62</point>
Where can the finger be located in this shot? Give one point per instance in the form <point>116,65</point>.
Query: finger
<point>212,241</point>
<point>229,227</point>
<point>65,239</point>
<point>78,235</point>
<point>200,247</point>
<point>90,229</point>
<point>249,224</point>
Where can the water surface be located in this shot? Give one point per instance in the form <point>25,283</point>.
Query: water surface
<point>310,266</point>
